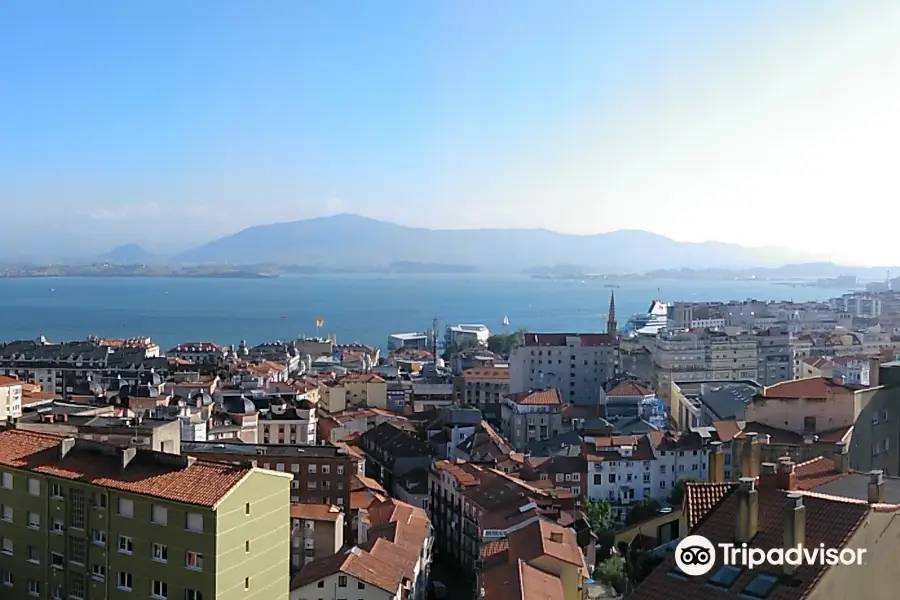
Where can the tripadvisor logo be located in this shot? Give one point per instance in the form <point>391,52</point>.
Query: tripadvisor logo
<point>696,555</point>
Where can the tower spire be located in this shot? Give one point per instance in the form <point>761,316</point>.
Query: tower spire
<point>611,325</point>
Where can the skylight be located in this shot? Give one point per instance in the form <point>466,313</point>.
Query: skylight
<point>761,586</point>
<point>725,576</point>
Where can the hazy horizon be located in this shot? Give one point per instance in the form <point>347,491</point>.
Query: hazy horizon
<point>170,124</point>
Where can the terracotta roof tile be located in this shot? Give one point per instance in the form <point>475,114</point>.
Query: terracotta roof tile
<point>701,498</point>
<point>811,474</point>
<point>809,387</point>
<point>628,389</point>
<point>203,483</point>
<point>315,512</point>
<point>9,381</point>
<point>727,430</point>
<point>537,398</point>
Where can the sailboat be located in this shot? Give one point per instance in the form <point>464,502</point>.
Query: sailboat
<point>506,321</point>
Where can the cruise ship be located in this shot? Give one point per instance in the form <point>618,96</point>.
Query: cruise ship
<point>649,323</point>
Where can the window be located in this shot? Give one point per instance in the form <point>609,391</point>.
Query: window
<point>34,520</point>
<point>56,560</point>
<point>576,476</point>
<point>76,550</point>
<point>7,481</point>
<point>725,576</point>
<point>76,585</point>
<point>160,553</point>
<point>34,588</point>
<point>126,508</point>
<point>76,509</point>
<point>34,555</point>
<point>761,586</point>
<point>159,589</point>
<point>247,508</point>
<point>6,546</point>
<point>126,544</point>
<point>99,500</point>
<point>56,491</point>
<point>57,526</point>
<point>123,581</point>
<point>34,486</point>
<point>194,522</point>
<point>340,469</point>
<point>98,537</point>
<point>7,513</point>
<point>194,560</point>
<point>56,593</point>
<point>159,515</point>
<point>246,583</point>
<point>98,572</point>
<point>311,468</point>
<point>326,469</point>
<point>7,578</point>
<point>342,581</point>
<point>192,595</point>
<point>247,546</point>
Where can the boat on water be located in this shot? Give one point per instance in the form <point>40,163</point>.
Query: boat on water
<point>506,321</point>
<point>651,322</point>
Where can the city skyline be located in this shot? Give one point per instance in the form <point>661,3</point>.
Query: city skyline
<point>710,122</point>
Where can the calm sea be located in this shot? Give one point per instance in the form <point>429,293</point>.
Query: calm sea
<point>354,308</point>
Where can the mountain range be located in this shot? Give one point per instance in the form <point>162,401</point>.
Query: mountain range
<point>351,240</point>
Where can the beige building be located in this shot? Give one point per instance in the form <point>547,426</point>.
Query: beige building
<point>289,424</point>
<point>317,531</point>
<point>10,399</point>
<point>365,390</point>
<point>479,386</point>
<point>531,417</point>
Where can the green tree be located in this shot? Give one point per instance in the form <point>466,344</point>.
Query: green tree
<point>505,343</point>
<point>642,511</point>
<point>599,515</point>
<point>612,572</point>
<point>677,495</point>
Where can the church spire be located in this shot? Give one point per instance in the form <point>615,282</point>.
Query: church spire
<point>611,325</point>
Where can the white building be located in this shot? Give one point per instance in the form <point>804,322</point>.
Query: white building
<point>627,469</point>
<point>578,364</point>
<point>289,424</point>
<point>467,335</point>
<point>404,341</point>
<point>10,399</point>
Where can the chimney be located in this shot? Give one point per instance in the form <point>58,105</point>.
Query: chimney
<point>794,528</point>
<point>65,447</point>
<point>874,372</point>
<point>841,458</point>
<point>556,536</point>
<point>127,455</point>
<point>748,511</point>
<point>787,479</point>
<point>716,463</point>
<point>768,477</point>
<point>750,455</point>
<point>876,487</point>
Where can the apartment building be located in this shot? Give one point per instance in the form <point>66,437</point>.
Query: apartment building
<point>466,335</point>
<point>287,423</point>
<point>628,469</point>
<point>578,364</point>
<point>317,531</point>
<point>391,562</point>
<point>391,453</point>
<point>321,473</point>
<point>365,390</point>
<point>151,434</point>
<point>479,386</point>
<point>530,417</point>
<point>199,352</point>
<point>10,399</point>
<point>336,427</point>
<point>542,560</point>
<point>84,520</point>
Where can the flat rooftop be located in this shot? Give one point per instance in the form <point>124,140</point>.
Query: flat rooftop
<point>264,449</point>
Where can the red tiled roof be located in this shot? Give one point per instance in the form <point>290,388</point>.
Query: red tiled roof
<point>701,498</point>
<point>315,512</point>
<point>629,389</point>
<point>203,483</point>
<point>810,387</point>
<point>537,398</point>
<point>726,430</point>
<point>829,522</point>
<point>811,474</point>
<point>9,381</point>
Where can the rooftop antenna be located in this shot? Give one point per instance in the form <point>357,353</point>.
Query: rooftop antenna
<point>434,338</point>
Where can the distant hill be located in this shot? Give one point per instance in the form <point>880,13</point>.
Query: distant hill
<point>129,254</point>
<point>351,240</point>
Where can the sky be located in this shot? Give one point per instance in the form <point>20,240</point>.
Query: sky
<point>170,123</point>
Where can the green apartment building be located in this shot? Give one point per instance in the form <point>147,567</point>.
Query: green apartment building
<point>83,520</point>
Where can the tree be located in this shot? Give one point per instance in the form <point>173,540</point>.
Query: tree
<point>612,572</point>
<point>505,343</point>
<point>599,516</point>
<point>677,495</point>
<point>643,510</point>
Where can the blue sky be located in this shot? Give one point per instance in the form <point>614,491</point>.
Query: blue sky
<point>193,119</point>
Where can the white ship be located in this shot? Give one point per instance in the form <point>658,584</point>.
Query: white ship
<point>649,323</point>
